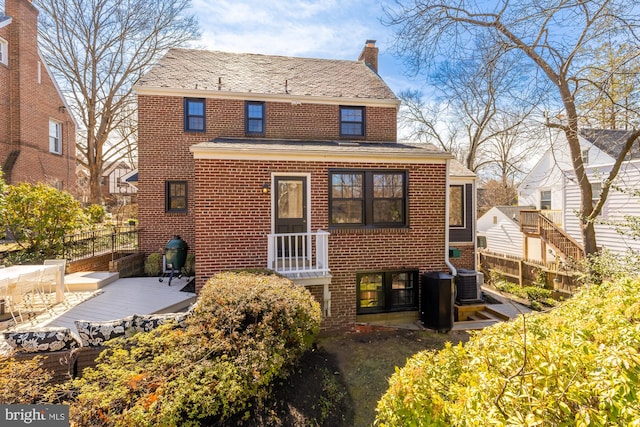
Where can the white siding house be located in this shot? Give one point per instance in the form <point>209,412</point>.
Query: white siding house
<point>551,188</point>
<point>620,203</point>
<point>500,226</point>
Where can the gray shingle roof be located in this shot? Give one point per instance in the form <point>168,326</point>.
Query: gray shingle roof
<point>192,69</point>
<point>513,212</point>
<point>323,149</point>
<point>457,169</point>
<point>611,141</point>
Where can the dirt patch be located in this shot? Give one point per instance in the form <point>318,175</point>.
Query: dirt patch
<point>339,383</point>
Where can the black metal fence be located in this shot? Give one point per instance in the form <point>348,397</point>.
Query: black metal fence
<point>118,241</point>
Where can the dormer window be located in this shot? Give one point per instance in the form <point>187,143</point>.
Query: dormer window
<point>351,121</point>
<point>254,118</point>
<point>4,52</point>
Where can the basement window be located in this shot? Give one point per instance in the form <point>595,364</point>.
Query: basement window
<point>386,291</point>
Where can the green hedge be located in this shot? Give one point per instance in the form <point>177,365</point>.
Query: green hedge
<point>246,331</point>
<point>576,365</point>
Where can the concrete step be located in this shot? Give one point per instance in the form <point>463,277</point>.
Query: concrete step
<point>506,311</point>
<point>473,324</point>
<point>89,280</point>
<point>487,315</point>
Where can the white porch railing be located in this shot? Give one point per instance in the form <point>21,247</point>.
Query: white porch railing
<point>299,254</point>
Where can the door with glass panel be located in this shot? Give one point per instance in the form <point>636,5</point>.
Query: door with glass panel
<point>291,216</point>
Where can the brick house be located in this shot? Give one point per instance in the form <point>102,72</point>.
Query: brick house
<point>293,164</point>
<point>37,133</point>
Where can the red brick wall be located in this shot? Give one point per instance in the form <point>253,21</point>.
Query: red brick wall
<point>233,219</point>
<point>163,149</point>
<point>4,103</point>
<point>467,256</point>
<point>29,104</point>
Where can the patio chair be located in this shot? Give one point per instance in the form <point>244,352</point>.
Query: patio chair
<point>8,298</point>
<point>28,288</point>
<point>49,278</point>
<point>62,264</point>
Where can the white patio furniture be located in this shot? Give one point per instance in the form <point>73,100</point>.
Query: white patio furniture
<point>59,278</point>
<point>7,297</point>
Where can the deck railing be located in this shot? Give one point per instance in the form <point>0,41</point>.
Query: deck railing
<point>87,244</point>
<point>536,223</point>
<point>299,254</point>
<point>554,215</point>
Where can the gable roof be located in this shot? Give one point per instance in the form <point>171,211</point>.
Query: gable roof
<point>458,170</point>
<point>611,141</point>
<point>224,74</point>
<point>513,212</point>
<point>4,20</point>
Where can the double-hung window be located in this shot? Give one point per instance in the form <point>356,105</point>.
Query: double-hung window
<point>352,121</point>
<point>368,198</point>
<point>194,115</point>
<point>254,118</point>
<point>456,206</point>
<point>176,196</point>
<point>545,200</point>
<point>55,137</point>
<point>4,52</point>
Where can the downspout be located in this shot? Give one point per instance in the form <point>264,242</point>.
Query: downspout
<point>446,224</point>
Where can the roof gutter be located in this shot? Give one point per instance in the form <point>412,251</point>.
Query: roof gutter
<point>453,270</point>
<point>273,97</point>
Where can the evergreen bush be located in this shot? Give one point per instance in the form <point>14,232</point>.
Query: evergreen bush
<point>577,365</point>
<point>245,331</point>
<point>153,264</point>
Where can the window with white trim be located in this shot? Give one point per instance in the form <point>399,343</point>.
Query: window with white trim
<point>456,206</point>
<point>545,200</point>
<point>4,52</point>
<point>55,137</point>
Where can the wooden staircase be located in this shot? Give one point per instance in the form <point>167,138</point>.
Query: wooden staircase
<point>534,223</point>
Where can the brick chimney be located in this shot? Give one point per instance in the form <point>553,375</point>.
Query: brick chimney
<point>369,55</point>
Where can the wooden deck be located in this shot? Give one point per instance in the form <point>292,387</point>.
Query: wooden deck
<point>120,298</point>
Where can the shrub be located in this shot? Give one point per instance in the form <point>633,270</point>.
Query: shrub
<point>189,268</point>
<point>39,216</point>
<point>245,331</point>
<point>23,382</point>
<point>537,296</point>
<point>576,365</point>
<point>153,264</point>
<point>95,213</point>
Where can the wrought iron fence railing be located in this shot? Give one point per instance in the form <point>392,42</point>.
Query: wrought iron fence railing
<point>116,240</point>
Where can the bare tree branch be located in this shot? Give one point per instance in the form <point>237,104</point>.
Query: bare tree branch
<point>556,37</point>
<point>98,49</point>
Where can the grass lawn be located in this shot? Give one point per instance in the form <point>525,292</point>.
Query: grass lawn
<point>339,383</point>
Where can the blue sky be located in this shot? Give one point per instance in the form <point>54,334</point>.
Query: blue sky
<point>334,29</point>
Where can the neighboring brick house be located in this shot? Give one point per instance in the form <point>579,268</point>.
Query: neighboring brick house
<point>37,133</point>
<point>292,164</point>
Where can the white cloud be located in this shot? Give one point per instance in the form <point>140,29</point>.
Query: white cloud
<point>284,27</point>
<point>334,29</point>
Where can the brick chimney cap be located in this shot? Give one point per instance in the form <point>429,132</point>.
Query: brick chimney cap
<point>370,42</point>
